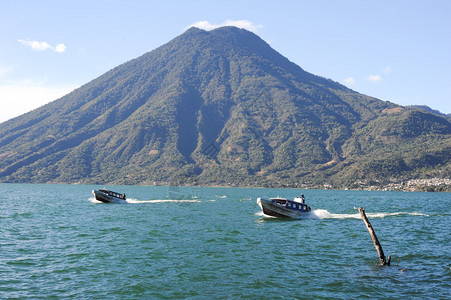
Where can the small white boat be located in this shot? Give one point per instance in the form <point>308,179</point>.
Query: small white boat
<point>107,196</point>
<point>284,208</point>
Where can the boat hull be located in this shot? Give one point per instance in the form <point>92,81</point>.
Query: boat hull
<point>106,198</point>
<point>279,209</point>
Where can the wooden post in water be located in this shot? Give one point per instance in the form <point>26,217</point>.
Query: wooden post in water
<point>380,252</point>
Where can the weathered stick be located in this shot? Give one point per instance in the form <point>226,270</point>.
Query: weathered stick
<point>380,252</point>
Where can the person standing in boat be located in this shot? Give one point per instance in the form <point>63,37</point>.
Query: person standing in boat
<point>303,198</point>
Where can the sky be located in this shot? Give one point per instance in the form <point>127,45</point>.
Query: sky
<point>397,51</point>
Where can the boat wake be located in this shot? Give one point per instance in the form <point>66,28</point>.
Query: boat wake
<point>324,214</point>
<point>320,214</point>
<point>136,201</point>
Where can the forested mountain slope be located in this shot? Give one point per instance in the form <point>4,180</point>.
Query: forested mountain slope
<point>222,107</point>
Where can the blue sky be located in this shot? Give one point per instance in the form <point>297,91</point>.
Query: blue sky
<point>398,51</point>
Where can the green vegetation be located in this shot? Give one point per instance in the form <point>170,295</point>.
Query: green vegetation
<point>223,108</point>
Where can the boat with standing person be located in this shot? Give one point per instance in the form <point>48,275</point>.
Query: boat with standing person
<point>284,208</point>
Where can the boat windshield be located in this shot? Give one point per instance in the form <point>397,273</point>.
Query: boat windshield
<point>114,194</point>
<point>279,201</point>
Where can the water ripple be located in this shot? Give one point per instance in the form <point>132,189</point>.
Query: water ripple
<point>58,244</point>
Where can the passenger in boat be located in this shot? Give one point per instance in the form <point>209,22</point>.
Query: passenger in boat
<point>303,198</point>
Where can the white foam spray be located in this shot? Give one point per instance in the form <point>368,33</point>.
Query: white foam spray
<point>93,200</point>
<point>136,201</point>
<point>324,214</point>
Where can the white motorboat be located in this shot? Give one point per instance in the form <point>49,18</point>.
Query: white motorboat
<point>284,208</point>
<point>107,196</point>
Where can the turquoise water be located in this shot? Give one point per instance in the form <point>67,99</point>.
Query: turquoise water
<point>58,242</point>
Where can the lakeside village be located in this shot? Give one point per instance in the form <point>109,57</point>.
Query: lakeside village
<point>412,185</point>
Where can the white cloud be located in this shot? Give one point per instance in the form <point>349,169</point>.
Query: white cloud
<point>17,99</point>
<point>349,81</point>
<point>35,45</point>
<point>203,25</point>
<point>374,78</point>
<point>245,24</point>
<point>60,48</point>
<point>42,46</point>
<point>377,78</point>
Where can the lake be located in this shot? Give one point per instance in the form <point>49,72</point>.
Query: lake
<point>214,243</point>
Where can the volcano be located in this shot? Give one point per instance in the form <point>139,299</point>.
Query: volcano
<point>221,107</point>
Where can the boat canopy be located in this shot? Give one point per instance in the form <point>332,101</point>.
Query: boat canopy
<point>114,194</point>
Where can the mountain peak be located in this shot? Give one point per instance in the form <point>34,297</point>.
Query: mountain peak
<point>222,29</point>
<point>224,34</point>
